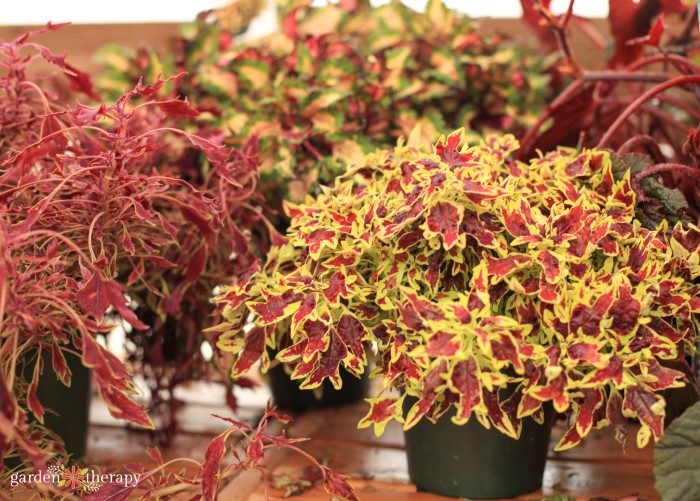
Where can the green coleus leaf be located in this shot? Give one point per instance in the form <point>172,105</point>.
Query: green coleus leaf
<point>677,458</point>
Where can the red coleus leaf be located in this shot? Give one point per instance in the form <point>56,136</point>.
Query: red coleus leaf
<point>79,80</point>
<point>586,407</point>
<point>448,150</point>
<point>408,240</point>
<point>60,367</point>
<point>443,344</point>
<point>501,268</point>
<point>346,258</point>
<point>99,293</point>
<point>337,288</point>
<point>465,382</point>
<point>665,377</point>
<point>612,372</point>
<point>320,238</point>
<point>589,318</point>
<point>329,363</point>
<point>404,366</point>
<point>424,307</point>
<point>33,401</point>
<point>253,348</point>
<point>195,265</point>
<point>501,420</point>
<point>276,307</point>
<point>475,227</point>
<point>122,407</point>
<point>569,224</point>
<point>625,312</point>
<point>505,349</point>
<point>317,338</point>
<point>653,38</point>
<point>478,193</point>
<point>551,266</point>
<point>663,329</point>
<point>177,108</point>
<point>554,390</point>
<point>200,220</point>
<point>432,381</point>
<point>630,19</point>
<point>571,438</point>
<point>586,352</point>
<point>338,485</point>
<point>646,406</point>
<point>519,221</point>
<point>352,333</point>
<point>306,309</point>
<point>381,411</point>
<point>444,219</point>
<point>211,466</point>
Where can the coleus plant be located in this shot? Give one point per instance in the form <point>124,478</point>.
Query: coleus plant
<point>473,272</point>
<point>643,105</point>
<point>209,476</point>
<point>199,480</point>
<point>85,218</point>
<point>339,81</point>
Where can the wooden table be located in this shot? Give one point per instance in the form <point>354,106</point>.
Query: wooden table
<point>596,469</point>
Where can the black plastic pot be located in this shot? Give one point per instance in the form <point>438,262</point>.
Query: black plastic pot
<point>286,393</point>
<point>67,408</point>
<point>472,462</point>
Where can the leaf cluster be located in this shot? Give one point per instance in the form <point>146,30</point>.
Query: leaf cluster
<point>339,81</point>
<point>474,273</point>
<point>97,219</point>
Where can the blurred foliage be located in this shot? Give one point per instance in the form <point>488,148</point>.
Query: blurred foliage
<point>339,81</point>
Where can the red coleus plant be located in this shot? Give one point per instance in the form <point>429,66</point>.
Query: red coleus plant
<point>473,272</point>
<point>85,218</point>
<point>210,475</point>
<point>643,103</point>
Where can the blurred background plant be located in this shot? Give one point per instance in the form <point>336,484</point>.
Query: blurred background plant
<point>339,81</point>
<point>643,104</point>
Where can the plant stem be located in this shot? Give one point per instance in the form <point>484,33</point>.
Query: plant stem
<point>569,92</point>
<point>668,167</point>
<point>637,103</point>
<point>624,76</point>
<point>647,143</point>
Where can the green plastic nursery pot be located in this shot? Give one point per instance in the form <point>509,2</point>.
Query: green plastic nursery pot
<point>67,408</point>
<point>472,462</point>
<point>286,393</point>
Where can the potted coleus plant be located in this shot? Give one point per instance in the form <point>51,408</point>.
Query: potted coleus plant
<point>492,288</point>
<point>83,218</point>
<point>337,94</point>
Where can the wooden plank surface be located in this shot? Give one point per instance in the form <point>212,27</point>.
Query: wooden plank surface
<point>599,467</point>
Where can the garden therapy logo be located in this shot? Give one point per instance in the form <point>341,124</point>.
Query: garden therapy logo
<point>74,479</point>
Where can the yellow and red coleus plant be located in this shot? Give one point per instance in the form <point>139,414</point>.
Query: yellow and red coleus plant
<point>339,81</point>
<point>473,272</point>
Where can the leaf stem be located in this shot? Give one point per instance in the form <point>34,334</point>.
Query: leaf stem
<point>637,103</point>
